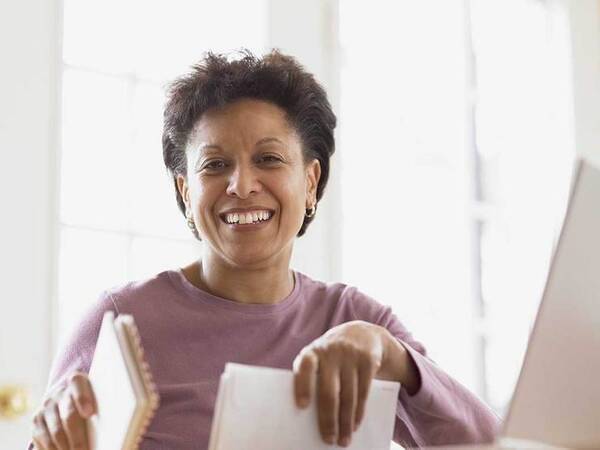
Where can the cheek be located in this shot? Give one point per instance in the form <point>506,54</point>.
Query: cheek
<point>204,197</point>
<point>295,199</point>
<point>206,187</point>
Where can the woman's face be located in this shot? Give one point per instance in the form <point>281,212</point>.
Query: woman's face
<point>247,184</point>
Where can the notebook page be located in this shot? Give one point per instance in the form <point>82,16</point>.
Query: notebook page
<point>258,411</point>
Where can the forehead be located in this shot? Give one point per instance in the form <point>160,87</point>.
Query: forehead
<point>244,118</point>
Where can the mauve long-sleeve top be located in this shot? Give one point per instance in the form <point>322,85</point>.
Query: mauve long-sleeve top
<point>188,335</point>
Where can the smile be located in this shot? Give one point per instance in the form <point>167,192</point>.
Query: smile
<point>247,218</point>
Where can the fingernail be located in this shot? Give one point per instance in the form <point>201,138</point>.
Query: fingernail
<point>330,439</point>
<point>345,441</point>
<point>303,402</point>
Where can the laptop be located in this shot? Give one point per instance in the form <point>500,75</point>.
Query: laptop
<point>556,402</point>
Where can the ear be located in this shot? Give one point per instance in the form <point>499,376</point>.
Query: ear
<point>183,189</point>
<point>313,175</point>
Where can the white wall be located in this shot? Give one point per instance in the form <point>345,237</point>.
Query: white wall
<point>29,93</point>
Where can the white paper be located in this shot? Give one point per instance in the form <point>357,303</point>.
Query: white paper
<point>114,391</point>
<point>255,409</point>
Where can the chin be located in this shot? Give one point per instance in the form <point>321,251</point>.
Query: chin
<point>249,258</point>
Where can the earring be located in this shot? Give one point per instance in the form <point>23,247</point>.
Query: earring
<point>190,220</point>
<point>312,211</point>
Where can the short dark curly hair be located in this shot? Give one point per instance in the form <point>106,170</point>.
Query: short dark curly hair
<point>278,78</point>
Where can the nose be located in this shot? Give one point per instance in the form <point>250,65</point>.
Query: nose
<point>243,182</point>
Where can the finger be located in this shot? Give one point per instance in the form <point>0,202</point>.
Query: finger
<point>365,375</point>
<point>348,400</point>
<point>328,391</point>
<point>46,438</point>
<point>83,395</point>
<point>55,427</point>
<point>40,435</point>
<point>305,369</point>
<point>75,426</point>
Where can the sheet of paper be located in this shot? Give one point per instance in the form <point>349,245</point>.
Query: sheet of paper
<point>256,409</point>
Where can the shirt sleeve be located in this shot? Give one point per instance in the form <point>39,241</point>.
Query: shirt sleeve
<point>78,350</point>
<point>442,411</point>
<point>76,353</point>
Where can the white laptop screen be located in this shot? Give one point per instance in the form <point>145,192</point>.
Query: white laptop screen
<point>557,398</point>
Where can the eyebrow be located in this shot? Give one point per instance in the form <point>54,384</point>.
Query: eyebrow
<point>268,140</point>
<point>206,148</point>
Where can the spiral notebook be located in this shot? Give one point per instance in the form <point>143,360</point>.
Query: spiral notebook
<point>125,393</point>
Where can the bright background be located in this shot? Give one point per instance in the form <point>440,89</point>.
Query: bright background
<point>454,151</point>
<point>458,126</point>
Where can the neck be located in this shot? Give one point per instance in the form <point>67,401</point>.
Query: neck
<point>267,284</point>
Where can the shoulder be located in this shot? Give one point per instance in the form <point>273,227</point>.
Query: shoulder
<point>130,296</point>
<point>347,299</point>
<point>77,346</point>
<point>346,303</point>
<point>325,293</point>
<point>118,299</point>
<point>311,286</point>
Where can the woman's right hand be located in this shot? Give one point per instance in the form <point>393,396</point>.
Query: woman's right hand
<point>61,422</point>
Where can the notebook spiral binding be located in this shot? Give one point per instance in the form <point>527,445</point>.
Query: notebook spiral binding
<point>148,381</point>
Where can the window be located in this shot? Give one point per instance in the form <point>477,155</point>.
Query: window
<point>455,149</point>
<point>522,155</point>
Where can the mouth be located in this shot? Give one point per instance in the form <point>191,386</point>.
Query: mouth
<point>247,218</point>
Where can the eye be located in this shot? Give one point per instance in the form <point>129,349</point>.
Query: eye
<point>269,159</point>
<point>215,164</point>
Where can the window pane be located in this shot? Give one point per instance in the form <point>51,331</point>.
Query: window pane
<point>525,151</point>
<point>154,209</point>
<point>90,262</point>
<point>95,175</point>
<point>404,171</point>
<point>171,36</point>
<point>158,40</point>
<point>151,256</point>
<point>97,34</point>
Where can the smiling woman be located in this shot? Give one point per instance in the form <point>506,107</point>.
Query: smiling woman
<point>247,143</point>
<point>260,169</point>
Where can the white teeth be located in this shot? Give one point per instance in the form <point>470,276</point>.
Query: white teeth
<point>249,217</point>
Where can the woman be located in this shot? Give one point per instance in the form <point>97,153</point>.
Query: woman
<point>248,143</point>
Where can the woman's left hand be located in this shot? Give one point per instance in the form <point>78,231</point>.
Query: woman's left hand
<point>344,361</point>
